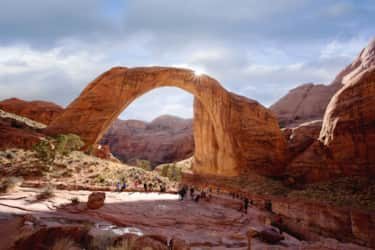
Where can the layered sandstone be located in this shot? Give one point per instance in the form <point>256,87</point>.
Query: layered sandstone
<point>348,129</point>
<point>243,136</point>
<point>165,139</point>
<point>309,101</point>
<point>40,111</point>
<point>346,144</point>
<point>15,134</point>
<point>301,137</point>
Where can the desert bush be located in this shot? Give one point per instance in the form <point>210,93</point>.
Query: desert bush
<point>47,192</point>
<point>10,184</point>
<point>144,164</point>
<point>65,144</point>
<point>45,151</point>
<point>64,244</point>
<point>48,149</point>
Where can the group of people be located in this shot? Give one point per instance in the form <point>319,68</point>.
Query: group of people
<point>147,187</point>
<point>195,195</point>
<point>150,187</point>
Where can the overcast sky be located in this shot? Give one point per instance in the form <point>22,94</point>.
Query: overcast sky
<point>52,49</point>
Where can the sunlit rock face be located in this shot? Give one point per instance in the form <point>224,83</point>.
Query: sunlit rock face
<point>346,143</point>
<point>233,135</point>
<point>308,102</point>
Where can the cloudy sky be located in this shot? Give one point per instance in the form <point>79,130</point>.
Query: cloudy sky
<point>50,49</point>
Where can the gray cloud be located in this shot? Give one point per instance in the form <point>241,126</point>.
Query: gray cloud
<point>52,49</point>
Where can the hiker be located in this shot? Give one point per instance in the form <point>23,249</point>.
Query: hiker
<point>123,187</point>
<point>182,193</point>
<point>197,197</point>
<point>145,186</point>
<point>118,187</point>
<point>246,204</point>
<point>192,192</point>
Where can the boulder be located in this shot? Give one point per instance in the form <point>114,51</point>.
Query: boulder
<point>270,235</point>
<point>96,200</point>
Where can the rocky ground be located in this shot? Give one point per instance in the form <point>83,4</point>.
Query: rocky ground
<point>78,169</point>
<point>204,225</point>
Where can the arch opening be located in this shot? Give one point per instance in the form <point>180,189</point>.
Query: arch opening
<point>156,128</point>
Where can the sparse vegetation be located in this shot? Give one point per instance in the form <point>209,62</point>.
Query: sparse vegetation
<point>65,144</point>
<point>349,191</point>
<point>48,149</point>
<point>10,184</point>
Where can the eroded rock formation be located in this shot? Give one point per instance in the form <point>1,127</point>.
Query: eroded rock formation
<point>346,144</point>
<point>165,139</point>
<point>40,111</point>
<point>348,129</point>
<point>308,102</point>
<point>243,136</point>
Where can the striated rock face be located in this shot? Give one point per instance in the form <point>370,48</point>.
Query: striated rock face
<point>165,139</point>
<point>301,137</point>
<point>15,134</point>
<point>40,111</point>
<point>346,144</point>
<point>243,136</point>
<point>348,129</point>
<point>309,101</point>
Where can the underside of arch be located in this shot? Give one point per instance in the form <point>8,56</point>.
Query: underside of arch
<point>233,134</point>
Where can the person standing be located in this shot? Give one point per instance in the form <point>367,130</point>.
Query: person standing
<point>246,204</point>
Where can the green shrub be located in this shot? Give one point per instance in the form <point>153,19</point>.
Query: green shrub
<point>47,150</point>
<point>65,144</point>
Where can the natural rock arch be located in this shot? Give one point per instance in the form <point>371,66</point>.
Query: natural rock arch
<point>233,135</point>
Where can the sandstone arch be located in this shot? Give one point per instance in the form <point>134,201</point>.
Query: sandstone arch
<point>233,135</point>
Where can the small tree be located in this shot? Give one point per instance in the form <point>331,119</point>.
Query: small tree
<point>65,144</point>
<point>47,149</point>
